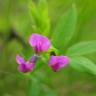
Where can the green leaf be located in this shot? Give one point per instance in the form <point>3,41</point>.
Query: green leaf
<point>83,64</point>
<point>33,12</point>
<point>65,29</point>
<point>44,16</point>
<point>82,48</point>
<point>40,18</point>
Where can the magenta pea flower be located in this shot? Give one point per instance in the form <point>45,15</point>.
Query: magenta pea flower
<point>39,43</point>
<point>25,66</point>
<point>57,62</point>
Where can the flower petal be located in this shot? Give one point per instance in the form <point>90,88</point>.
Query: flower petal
<point>57,62</point>
<point>52,60</point>
<point>63,60</point>
<point>19,59</point>
<point>55,67</point>
<point>39,43</point>
<point>23,68</point>
<point>45,43</point>
<point>30,66</point>
<point>27,67</point>
<point>33,39</point>
<point>34,58</point>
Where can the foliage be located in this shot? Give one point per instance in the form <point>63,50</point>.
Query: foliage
<point>35,18</point>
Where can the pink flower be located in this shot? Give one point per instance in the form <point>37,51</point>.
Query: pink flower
<point>24,66</point>
<point>39,43</point>
<point>57,62</point>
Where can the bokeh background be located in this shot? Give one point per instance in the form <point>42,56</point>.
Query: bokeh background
<point>15,27</point>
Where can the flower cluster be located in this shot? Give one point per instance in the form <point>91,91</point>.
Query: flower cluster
<point>41,44</point>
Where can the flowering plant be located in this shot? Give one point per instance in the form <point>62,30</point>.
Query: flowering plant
<point>56,50</point>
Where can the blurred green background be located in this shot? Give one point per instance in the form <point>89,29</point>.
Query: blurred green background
<point>67,82</point>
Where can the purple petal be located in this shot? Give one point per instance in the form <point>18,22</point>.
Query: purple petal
<point>52,60</point>
<point>39,42</point>
<point>33,59</point>
<point>57,62</point>
<point>33,39</point>
<point>30,66</point>
<point>63,60</point>
<point>45,43</point>
<point>55,67</point>
<point>22,68</point>
<point>19,59</point>
<point>27,67</point>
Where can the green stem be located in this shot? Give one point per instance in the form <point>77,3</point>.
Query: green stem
<point>33,87</point>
